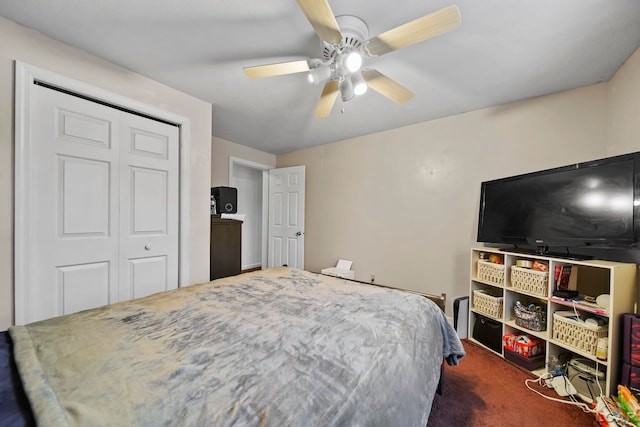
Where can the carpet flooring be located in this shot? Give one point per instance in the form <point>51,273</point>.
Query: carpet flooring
<point>487,391</point>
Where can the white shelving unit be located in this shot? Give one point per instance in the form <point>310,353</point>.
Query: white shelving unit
<point>592,277</point>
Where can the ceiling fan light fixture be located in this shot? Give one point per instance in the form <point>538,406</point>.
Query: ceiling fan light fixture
<point>319,74</point>
<point>345,41</point>
<point>359,85</point>
<point>346,89</point>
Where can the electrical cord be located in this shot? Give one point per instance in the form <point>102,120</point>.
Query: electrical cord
<point>572,400</point>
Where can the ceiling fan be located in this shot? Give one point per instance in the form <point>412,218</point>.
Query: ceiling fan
<point>345,41</point>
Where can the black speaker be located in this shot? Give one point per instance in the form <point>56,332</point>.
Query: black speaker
<point>226,199</point>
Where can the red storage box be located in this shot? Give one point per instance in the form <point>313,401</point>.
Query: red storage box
<point>509,341</point>
<point>524,345</point>
<point>528,346</point>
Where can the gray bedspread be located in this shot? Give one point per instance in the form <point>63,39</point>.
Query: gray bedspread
<point>280,347</point>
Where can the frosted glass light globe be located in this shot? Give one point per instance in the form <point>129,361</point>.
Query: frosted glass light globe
<point>353,61</point>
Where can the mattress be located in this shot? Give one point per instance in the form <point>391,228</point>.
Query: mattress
<point>271,348</point>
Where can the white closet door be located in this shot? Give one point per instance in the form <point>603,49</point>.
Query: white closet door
<point>149,207</point>
<point>85,185</point>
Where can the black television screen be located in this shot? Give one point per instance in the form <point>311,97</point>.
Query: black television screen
<point>589,203</point>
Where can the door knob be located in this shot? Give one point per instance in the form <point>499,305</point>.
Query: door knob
<point>147,246</point>
<point>299,233</point>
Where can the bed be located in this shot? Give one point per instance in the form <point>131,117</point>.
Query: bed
<point>277,347</point>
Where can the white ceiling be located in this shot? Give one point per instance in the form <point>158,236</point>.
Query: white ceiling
<point>504,51</point>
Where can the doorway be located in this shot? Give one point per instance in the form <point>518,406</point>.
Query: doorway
<point>252,181</point>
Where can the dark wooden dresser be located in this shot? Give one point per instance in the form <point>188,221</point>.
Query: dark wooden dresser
<point>226,247</point>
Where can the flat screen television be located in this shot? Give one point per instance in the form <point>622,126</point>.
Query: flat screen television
<point>593,203</point>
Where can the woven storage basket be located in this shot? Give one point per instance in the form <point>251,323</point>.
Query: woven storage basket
<point>531,281</point>
<point>486,303</point>
<point>491,272</point>
<point>577,334</point>
<point>533,320</point>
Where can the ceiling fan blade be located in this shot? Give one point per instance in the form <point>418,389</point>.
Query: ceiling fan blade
<point>428,26</point>
<point>319,14</point>
<point>278,69</point>
<point>387,87</point>
<point>327,99</point>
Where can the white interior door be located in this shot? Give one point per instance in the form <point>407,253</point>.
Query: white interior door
<point>103,196</point>
<point>286,217</point>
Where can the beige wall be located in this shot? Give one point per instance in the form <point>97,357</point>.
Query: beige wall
<point>402,204</point>
<point>23,44</point>
<point>624,108</point>
<point>222,149</point>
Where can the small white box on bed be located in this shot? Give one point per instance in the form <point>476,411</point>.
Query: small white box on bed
<point>342,269</point>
